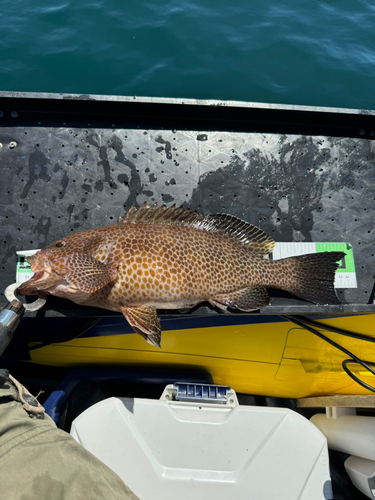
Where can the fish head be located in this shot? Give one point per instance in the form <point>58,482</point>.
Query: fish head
<point>49,266</point>
<point>76,263</point>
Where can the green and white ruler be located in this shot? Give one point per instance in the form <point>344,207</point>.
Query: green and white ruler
<point>23,270</point>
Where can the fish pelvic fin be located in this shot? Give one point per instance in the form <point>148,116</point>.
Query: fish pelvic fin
<point>311,276</point>
<point>247,299</point>
<point>87,273</point>
<point>144,321</point>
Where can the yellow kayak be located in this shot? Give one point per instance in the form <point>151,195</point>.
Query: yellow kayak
<point>264,355</point>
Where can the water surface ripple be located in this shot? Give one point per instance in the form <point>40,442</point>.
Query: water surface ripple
<point>295,52</point>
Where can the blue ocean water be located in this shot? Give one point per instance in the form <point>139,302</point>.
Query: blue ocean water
<point>293,52</point>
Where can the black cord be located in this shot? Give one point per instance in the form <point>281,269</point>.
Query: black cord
<point>333,329</point>
<point>77,332</point>
<point>356,379</point>
<point>307,324</point>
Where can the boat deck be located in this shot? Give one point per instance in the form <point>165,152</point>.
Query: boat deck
<point>301,174</point>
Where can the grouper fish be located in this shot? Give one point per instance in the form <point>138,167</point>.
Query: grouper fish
<point>172,258</point>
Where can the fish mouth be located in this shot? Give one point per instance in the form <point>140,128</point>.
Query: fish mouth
<point>38,281</point>
<point>40,275</point>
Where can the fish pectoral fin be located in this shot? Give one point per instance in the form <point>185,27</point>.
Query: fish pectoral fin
<point>98,249</point>
<point>247,299</point>
<point>144,321</point>
<point>102,253</point>
<point>88,274</point>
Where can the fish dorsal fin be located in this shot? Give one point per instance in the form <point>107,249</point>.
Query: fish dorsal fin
<point>239,231</point>
<point>167,216</point>
<point>229,226</point>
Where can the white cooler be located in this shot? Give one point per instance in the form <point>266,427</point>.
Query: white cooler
<point>205,446</point>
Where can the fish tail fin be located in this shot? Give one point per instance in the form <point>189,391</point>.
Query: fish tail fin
<point>312,276</point>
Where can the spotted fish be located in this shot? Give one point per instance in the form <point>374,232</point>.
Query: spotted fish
<point>172,258</point>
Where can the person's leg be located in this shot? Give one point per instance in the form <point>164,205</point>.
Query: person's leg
<point>39,461</point>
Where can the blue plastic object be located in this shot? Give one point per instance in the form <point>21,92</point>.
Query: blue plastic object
<point>54,404</point>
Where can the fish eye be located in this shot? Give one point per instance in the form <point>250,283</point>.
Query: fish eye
<point>60,244</point>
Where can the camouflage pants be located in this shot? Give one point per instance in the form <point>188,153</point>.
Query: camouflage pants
<point>40,462</point>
